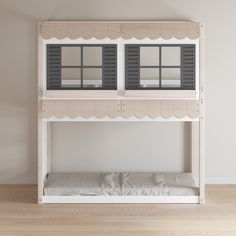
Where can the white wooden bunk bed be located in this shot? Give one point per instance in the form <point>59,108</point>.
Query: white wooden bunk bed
<point>121,85</point>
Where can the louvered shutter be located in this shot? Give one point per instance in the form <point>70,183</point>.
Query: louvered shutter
<point>53,66</point>
<point>110,66</point>
<point>188,67</point>
<point>132,74</point>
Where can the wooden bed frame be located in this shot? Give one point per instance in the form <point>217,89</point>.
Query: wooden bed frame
<point>121,105</point>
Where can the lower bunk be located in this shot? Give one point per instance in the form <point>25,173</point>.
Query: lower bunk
<point>120,187</point>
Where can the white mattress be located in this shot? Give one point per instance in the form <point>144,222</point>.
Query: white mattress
<point>120,183</point>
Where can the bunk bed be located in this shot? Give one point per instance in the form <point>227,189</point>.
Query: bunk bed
<point>138,71</point>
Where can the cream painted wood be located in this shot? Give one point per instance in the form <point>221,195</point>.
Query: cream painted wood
<point>180,109</point>
<point>193,108</point>
<point>140,109</point>
<point>122,199</point>
<point>88,108</point>
<point>61,109</point>
<point>74,109</point>
<point>40,119</point>
<point>114,109</point>
<point>202,116</point>
<point>167,109</point>
<point>121,119</point>
<point>101,109</point>
<point>125,108</point>
<point>162,94</point>
<point>195,150</point>
<point>120,29</point>
<point>49,147</point>
<point>80,94</point>
<point>154,109</point>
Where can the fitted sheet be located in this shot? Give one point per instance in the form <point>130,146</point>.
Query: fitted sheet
<point>120,184</point>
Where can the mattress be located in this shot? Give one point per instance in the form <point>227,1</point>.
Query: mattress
<point>120,184</point>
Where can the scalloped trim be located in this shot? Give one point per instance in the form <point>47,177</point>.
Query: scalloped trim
<point>153,30</point>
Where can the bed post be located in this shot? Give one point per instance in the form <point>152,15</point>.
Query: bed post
<point>194,130</point>
<point>202,117</point>
<point>41,123</point>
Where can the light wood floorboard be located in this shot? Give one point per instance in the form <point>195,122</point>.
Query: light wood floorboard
<point>21,216</point>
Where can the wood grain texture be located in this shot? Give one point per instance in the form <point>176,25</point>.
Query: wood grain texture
<point>21,216</point>
<point>116,29</point>
<point>123,108</point>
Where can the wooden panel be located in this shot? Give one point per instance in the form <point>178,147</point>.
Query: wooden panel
<point>114,109</point>
<point>140,109</point>
<point>154,108</point>
<point>193,108</point>
<point>115,29</point>
<point>125,108</point>
<point>88,109</point>
<point>180,109</point>
<point>74,109</point>
<point>101,109</point>
<point>61,109</point>
<point>167,109</point>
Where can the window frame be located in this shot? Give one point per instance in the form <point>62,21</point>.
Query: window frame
<point>160,67</point>
<point>81,67</point>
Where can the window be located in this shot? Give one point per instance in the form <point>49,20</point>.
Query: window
<point>160,66</point>
<point>81,66</point>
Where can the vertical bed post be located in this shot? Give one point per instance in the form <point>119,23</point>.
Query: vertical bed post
<point>202,116</point>
<point>195,149</point>
<point>41,123</point>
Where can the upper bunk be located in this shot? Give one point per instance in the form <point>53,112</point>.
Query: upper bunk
<point>120,70</point>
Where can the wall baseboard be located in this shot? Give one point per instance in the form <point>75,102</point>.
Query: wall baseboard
<point>220,180</point>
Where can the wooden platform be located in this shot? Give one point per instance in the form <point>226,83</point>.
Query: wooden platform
<point>20,215</point>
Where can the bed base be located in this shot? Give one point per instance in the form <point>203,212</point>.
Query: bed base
<point>122,199</point>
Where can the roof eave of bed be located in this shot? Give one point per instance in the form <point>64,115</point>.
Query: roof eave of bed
<point>120,29</point>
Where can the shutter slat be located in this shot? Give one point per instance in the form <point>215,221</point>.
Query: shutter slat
<point>53,66</point>
<point>110,66</point>
<point>188,67</point>
<point>132,54</point>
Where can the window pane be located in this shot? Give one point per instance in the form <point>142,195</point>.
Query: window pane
<point>70,77</point>
<point>70,56</point>
<point>149,77</point>
<point>92,77</point>
<point>170,77</point>
<point>92,56</point>
<point>149,56</point>
<point>170,56</point>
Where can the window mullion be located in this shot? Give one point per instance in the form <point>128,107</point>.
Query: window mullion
<point>160,67</point>
<point>81,70</point>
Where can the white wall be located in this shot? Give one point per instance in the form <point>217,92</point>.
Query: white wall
<point>121,146</point>
<point>18,94</point>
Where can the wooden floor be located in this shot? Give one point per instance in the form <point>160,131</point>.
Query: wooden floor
<point>20,215</point>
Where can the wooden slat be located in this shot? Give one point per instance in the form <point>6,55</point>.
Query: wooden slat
<point>123,108</point>
<point>74,109</point>
<point>88,109</point>
<point>140,109</point>
<point>154,108</point>
<point>101,109</point>
<point>116,29</point>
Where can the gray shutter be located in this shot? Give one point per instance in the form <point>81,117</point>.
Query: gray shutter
<point>53,67</point>
<point>188,67</point>
<point>110,66</point>
<point>132,54</point>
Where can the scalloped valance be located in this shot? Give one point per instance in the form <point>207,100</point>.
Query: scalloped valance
<point>115,29</point>
<point>112,109</point>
